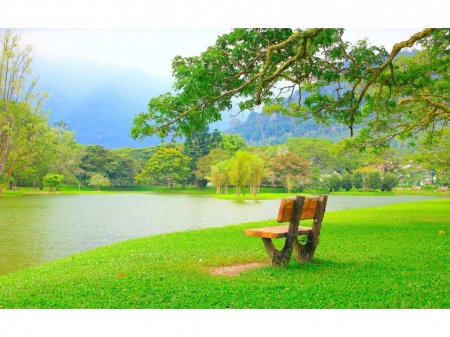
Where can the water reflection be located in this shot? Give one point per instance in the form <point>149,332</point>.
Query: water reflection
<point>37,229</point>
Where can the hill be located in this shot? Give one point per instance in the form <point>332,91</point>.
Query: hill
<point>98,101</point>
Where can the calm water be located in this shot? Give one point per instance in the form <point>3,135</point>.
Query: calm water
<point>38,229</point>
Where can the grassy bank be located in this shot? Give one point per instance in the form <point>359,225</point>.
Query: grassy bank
<point>386,257</point>
<point>265,193</point>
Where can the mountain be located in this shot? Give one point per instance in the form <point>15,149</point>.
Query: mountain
<point>97,100</point>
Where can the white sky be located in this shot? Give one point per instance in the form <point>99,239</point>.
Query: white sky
<point>148,34</point>
<point>152,49</point>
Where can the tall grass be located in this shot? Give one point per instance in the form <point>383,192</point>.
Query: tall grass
<point>385,257</point>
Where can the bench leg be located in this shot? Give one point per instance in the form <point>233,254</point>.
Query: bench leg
<point>277,257</point>
<point>305,253</point>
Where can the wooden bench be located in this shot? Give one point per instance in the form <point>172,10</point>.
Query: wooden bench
<point>293,210</point>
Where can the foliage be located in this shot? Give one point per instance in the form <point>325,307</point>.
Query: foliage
<point>239,170</point>
<point>406,95</point>
<point>167,165</point>
<point>358,179</point>
<point>412,97</point>
<point>346,182</point>
<point>290,170</point>
<point>232,143</point>
<point>21,121</point>
<point>53,180</point>
<point>220,176</point>
<point>257,173</point>
<point>205,163</point>
<point>97,180</point>
<point>119,168</point>
<point>334,182</point>
<point>436,156</point>
<point>373,180</point>
<point>388,182</point>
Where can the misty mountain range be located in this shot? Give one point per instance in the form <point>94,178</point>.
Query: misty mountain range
<point>99,101</point>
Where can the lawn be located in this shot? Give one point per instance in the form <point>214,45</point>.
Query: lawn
<point>393,256</point>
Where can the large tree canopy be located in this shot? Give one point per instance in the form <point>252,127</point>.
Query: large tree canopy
<point>267,66</point>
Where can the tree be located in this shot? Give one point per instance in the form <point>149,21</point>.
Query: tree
<point>239,170</point>
<point>232,142</point>
<point>97,180</point>
<point>388,182</point>
<point>21,120</point>
<point>53,180</point>
<point>346,182</point>
<point>205,163</point>
<point>373,180</point>
<point>412,99</point>
<point>316,151</point>
<point>167,165</point>
<point>247,64</point>
<point>358,179</point>
<point>334,182</point>
<point>435,156</point>
<point>220,177</point>
<point>257,173</point>
<point>289,169</point>
<point>197,145</point>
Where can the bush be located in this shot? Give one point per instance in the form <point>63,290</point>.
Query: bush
<point>346,182</point>
<point>389,182</point>
<point>374,180</point>
<point>334,182</point>
<point>358,180</point>
<point>53,181</point>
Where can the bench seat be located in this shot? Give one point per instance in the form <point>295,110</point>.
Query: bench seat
<point>275,232</point>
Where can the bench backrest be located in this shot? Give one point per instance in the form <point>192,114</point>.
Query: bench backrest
<point>287,207</point>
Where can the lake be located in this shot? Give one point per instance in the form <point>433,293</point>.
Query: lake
<point>39,229</point>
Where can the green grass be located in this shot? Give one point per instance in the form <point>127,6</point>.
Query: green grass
<point>383,257</point>
<point>265,193</point>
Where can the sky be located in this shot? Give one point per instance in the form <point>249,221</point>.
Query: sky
<point>148,35</point>
<point>152,49</point>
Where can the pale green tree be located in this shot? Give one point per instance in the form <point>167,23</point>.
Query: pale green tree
<point>219,177</point>
<point>53,180</point>
<point>257,173</point>
<point>98,180</point>
<point>239,170</point>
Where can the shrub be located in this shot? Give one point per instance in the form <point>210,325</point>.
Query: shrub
<point>346,182</point>
<point>358,180</point>
<point>53,181</point>
<point>334,182</point>
<point>374,180</point>
<point>389,182</point>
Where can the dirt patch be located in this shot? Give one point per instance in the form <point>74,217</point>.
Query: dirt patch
<point>236,269</point>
